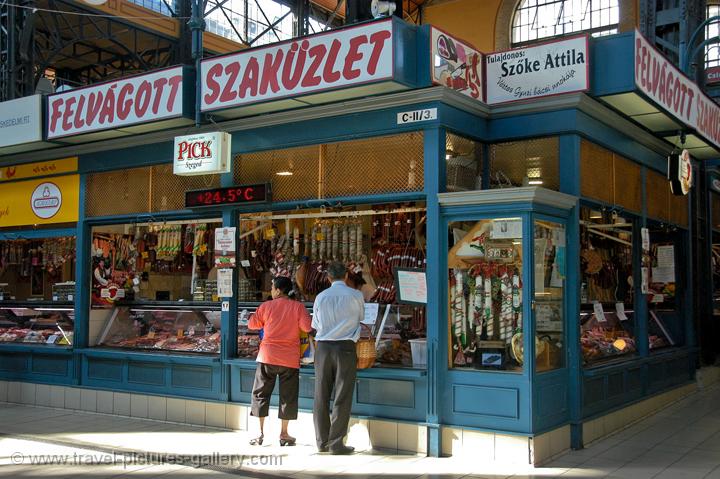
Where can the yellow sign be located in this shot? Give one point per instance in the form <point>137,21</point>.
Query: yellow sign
<point>35,170</point>
<point>41,201</point>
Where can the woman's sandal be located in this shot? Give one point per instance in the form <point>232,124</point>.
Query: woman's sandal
<point>287,441</point>
<point>257,441</point>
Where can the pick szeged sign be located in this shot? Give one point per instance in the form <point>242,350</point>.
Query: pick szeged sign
<point>657,78</point>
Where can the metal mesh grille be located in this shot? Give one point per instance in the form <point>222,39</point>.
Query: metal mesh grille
<point>387,164</point>
<point>537,159</point>
<point>464,163</point>
<point>117,192</point>
<point>168,190</point>
<point>141,190</point>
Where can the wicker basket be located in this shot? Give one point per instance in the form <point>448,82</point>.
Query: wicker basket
<point>366,352</point>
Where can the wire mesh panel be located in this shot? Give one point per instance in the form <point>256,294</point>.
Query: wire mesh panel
<point>657,195</point>
<point>627,181</point>
<point>117,192</point>
<point>293,172</point>
<point>168,190</point>
<point>463,158</point>
<point>388,164</point>
<point>596,172</point>
<point>518,163</point>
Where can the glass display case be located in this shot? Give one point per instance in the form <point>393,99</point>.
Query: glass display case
<point>485,294</point>
<point>41,323</point>
<point>187,328</point>
<point>606,334</point>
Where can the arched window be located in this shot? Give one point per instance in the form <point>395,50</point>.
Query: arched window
<point>540,19</point>
<point>712,51</point>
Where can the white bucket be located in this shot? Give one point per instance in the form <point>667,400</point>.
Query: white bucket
<point>418,347</point>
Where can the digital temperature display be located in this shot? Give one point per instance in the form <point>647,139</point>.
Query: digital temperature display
<point>231,195</point>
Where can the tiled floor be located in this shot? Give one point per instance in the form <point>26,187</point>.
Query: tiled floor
<point>682,441</point>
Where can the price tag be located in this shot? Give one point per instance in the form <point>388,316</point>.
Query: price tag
<point>145,255</point>
<point>658,298</point>
<point>151,335</point>
<point>620,310</point>
<point>269,234</point>
<point>71,297</point>
<point>51,339</point>
<point>225,306</point>
<point>645,233</point>
<point>253,253</point>
<point>180,333</point>
<point>371,313</point>
<point>599,313</point>
<point>55,298</point>
<point>245,263</point>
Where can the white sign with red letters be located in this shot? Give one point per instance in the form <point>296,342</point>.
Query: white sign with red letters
<point>657,78</point>
<point>202,154</point>
<point>343,58</point>
<point>129,101</point>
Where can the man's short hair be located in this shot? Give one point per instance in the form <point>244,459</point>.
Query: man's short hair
<point>336,270</point>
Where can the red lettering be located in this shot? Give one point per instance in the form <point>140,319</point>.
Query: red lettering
<point>182,150</point>
<point>107,114</point>
<point>56,114</point>
<point>691,97</point>
<point>78,122</point>
<point>330,75</point>
<point>353,55</point>
<point>174,83</point>
<point>638,60</point>
<point>124,106</point>
<point>250,78</point>
<point>378,40</point>
<point>271,69</point>
<point>205,149</point>
<point>212,85</point>
<point>159,85</point>
<point>68,113</point>
<point>233,69</point>
<point>142,99</point>
<point>94,105</point>
<point>292,69</point>
<point>317,53</point>
<point>249,194</point>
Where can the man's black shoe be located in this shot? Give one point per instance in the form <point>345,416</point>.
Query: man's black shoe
<point>342,451</point>
<point>323,449</point>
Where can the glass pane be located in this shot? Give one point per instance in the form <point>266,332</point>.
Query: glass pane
<point>550,261</point>
<point>485,294</point>
<point>607,295</point>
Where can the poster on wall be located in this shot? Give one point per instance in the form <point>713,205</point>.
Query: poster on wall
<point>542,70</point>
<point>225,247</point>
<point>455,64</point>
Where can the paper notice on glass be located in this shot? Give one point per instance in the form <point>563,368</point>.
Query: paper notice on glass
<point>645,280</point>
<point>540,249</point>
<point>371,313</point>
<point>506,229</point>
<point>225,283</point>
<point>225,247</point>
<point>645,234</point>
<point>663,275</point>
<point>558,237</point>
<point>599,313</point>
<point>411,286</point>
<point>665,271</point>
<point>620,310</point>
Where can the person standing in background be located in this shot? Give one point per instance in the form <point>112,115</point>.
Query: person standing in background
<point>281,321</point>
<point>337,314</point>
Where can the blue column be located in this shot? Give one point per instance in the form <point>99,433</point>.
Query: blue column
<point>435,181</point>
<point>570,184</point>
<point>83,266</point>
<point>228,319</point>
<point>641,309</point>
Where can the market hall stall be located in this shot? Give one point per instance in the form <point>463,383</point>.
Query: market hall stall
<point>37,270</point>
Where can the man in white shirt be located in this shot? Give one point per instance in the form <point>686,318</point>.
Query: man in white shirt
<point>337,314</point>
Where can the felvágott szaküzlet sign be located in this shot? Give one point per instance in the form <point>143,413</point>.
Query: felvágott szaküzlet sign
<point>343,58</point>
<point>657,78</point>
<point>202,154</point>
<point>548,69</point>
<point>129,101</point>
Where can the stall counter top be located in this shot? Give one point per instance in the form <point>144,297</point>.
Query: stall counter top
<point>378,371</point>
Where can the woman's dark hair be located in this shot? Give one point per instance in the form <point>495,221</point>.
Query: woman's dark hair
<point>284,284</point>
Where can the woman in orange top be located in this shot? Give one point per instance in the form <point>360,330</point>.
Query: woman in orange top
<point>281,321</point>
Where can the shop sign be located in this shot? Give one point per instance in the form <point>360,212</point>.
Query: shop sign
<point>680,173</point>
<point>543,70</point>
<point>455,64</point>
<point>343,58</point>
<point>414,116</point>
<point>114,104</point>
<point>21,121</point>
<point>657,78</point>
<point>225,247</point>
<point>202,154</point>
<point>712,75</point>
<point>231,195</point>
<point>40,201</point>
<point>34,170</point>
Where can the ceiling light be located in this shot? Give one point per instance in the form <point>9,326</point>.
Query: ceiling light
<point>284,173</point>
<point>536,181</point>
